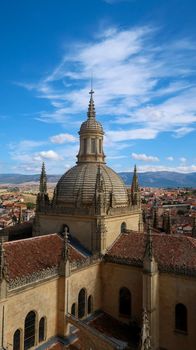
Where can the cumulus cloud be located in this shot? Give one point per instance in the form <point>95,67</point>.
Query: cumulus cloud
<point>170,158</point>
<point>131,134</point>
<point>140,89</point>
<point>48,155</point>
<point>144,157</point>
<point>63,138</point>
<point>131,72</point>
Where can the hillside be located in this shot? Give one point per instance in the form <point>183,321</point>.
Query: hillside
<point>150,179</point>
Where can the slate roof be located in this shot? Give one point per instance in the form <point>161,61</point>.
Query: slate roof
<point>172,252</point>
<point>27,256</point>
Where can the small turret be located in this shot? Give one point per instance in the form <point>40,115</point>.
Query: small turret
<point>135,191</point>
<point>43,180</point>
<point>145,335</point>
<point>150,264</point>
<point>42,197</point>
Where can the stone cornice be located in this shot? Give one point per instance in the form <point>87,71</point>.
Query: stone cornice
<point>76,265</point>
<point>32,278</point>
<point>174,269</point>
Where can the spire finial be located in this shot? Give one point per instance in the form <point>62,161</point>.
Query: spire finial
<point>91,106</point>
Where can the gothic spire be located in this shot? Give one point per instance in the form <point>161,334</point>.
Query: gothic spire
<point>91,107</point>
<point>42,197</point>
<point>135,188</point>
<point>43,180</point>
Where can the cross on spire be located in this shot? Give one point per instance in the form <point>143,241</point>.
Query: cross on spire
<point>91,106</point>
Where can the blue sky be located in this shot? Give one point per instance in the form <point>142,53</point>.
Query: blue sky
<point>142,55</point>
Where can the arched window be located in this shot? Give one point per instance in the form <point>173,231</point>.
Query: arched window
<point>29,331</point>
<point>81,303</point>
<point>73,309</point>
<point>42,329</point>
<point>123,227</point>
<point>100,146</point>
<point>181,317</point>
<point>93,146</point>
<point>90,304</point>
<point>16,340</point>
<point>85,146</point>
<point>124,302</point>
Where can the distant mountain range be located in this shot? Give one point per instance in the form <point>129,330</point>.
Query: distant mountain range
<point>147,179</point>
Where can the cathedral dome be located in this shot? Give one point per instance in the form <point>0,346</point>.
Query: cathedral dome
<point>91,125</point>
<point>80,182</point>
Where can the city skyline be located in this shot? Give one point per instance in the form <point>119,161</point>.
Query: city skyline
<point>142,61</point>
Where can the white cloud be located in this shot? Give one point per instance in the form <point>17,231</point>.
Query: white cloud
<point>130,72</point>
<point>183,131</point>
<point>26,145</point>
<point>142,89</point>
<point>48,155</point>
<point>170,158</point>
<point>179,169</point>
<point>144,157</point>
<point>63,138</point>
<point>131,134</point>
<point>183,160</point>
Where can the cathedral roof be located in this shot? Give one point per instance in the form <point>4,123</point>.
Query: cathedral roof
<point>27,256</point>
<point>173,253</point>
<point>79,184</point>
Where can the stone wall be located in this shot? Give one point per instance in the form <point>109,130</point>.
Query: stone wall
<point>172,290</point>
<point>88,278</point>
<point>41,298</point>
<point>113,226</point>
<point>80,227</point>
<point>84,228</point>
<point>116,276</point>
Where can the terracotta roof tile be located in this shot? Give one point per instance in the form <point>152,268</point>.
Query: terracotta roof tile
<point>27,256</point>
<point>171,251</point>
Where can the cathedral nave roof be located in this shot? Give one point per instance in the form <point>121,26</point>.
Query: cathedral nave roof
<point>28,256</point>
<point>173,253</point>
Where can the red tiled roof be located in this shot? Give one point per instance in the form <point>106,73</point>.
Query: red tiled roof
<point>170,251</point>
<point>27,256</point>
